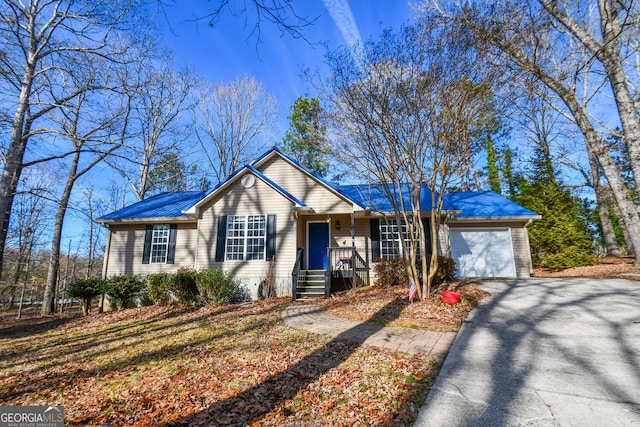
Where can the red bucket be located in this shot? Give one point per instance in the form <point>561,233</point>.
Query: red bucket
<point>450,297</point>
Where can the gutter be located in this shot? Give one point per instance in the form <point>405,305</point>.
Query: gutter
<point>150,220</point>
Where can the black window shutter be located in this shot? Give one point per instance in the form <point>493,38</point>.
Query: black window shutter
<point>171,250</point>
<point>222,238</point>
<point>146,252</point>
<point>271,237</point>
<point>375,239</point>
<point>427,229</point>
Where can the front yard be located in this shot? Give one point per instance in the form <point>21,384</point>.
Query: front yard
<point>233,364</point>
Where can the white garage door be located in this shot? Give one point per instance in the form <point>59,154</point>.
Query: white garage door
<point>486,252</point>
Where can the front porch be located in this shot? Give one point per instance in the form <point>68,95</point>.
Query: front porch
<point>345,269</point>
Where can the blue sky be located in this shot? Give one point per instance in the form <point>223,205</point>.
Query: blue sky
<point>229,50</point>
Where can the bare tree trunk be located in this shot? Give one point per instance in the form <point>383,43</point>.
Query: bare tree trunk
<point>608,53</point>
<point>65,279</point>
<point>90,253</point>
<point>628,213</point>
<point>608,234</point>
<point>24,285</point>
<point>54,260</point>
<point>13,164</point>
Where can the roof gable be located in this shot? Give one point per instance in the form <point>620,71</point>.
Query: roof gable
<point>180,205</point>
<point>233,178</point>
<point>269,156</point>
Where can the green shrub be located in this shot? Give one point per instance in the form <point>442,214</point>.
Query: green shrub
<point>158,287</point>
<point>86,290</point>
<point>239,293</point>
<point>391,272</point>
<point>571,256</point>
<point>183,286</point>
<point>121,289</point>
<point>215,286</point>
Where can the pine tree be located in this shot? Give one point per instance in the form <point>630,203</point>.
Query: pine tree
<point>561,239</point>
<point>305,139</point>
<point>492,165</point>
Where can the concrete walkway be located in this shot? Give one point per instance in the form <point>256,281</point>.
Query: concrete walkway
<point>544,352</point>
<point>315,319</point>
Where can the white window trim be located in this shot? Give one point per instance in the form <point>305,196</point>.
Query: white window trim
<point>231,219</point>
<point>400,247</point>
<point>159,251</point>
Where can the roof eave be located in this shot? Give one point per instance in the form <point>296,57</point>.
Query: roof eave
<point>425,213</point>
<point>476,219</point>
<point>149,220</point>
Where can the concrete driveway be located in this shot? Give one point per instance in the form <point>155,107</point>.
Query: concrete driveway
<point>544,352</point>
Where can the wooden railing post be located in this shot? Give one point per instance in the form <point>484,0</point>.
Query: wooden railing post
<point>327,274</point>
<point>295,274</point>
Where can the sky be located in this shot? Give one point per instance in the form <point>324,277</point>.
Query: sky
<point>229,49</point>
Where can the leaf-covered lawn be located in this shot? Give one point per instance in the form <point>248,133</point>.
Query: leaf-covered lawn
<point>212,366</point>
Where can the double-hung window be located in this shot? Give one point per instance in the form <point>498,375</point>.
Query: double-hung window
<point>390,243</point>
<point>159,244</point>
<point>246,237</point>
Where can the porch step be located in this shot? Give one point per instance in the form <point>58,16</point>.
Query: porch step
<point>310,284</point>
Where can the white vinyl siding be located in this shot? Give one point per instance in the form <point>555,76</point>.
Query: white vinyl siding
<point>304,187</point>
<point>126,244</point>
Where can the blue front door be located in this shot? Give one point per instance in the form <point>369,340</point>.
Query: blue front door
<point>318,244</point>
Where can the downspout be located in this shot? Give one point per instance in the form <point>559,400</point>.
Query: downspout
<point>195,255</point>
<point>105,265</point>
<point>526,235</point>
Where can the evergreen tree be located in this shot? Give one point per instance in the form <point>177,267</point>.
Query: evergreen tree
<point>305,139</point>
<point>561,239</point>
<point>508,172</point>
<point>171,174</point>
<point>492,165</point>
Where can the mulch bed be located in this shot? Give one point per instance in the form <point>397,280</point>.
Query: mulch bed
<point>390,306</point>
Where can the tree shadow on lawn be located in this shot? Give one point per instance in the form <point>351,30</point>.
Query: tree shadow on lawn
<point>111,333</point>
<point>259,400</point>
<point>42,380</point>
<point>22,328</point>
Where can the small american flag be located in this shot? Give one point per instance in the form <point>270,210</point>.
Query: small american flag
<point>413,291</point>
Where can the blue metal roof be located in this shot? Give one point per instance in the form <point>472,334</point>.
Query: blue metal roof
<point>373,197</point>
<point>480,204</point>
<point>158,206</point>
<point>469,204</point>
<point>486,204</point>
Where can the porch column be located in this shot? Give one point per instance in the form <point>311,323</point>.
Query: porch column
<point>353,231</point>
